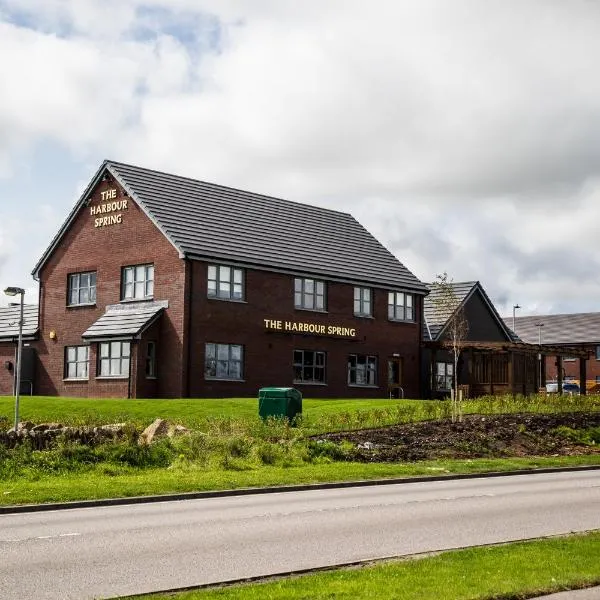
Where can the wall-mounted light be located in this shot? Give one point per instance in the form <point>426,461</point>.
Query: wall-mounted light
<point>52,334</point>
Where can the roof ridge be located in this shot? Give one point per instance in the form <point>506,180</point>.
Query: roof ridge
<point>116,163</point>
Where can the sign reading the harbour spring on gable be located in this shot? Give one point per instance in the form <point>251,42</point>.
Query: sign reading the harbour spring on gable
<point>110,209</point>
<point>314,328</point>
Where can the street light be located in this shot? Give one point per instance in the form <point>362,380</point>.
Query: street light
<point>539,326</point>
<point>14,291</point>
<point>515,306</point>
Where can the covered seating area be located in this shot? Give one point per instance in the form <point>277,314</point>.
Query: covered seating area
<point>497,368</point>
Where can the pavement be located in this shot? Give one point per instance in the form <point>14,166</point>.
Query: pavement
<point>592,593</point>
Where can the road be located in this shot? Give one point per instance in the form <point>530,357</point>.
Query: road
<point>108,551</point>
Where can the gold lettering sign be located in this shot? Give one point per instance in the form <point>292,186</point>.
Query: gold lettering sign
<point>111,211</point>
<point>314,328</point>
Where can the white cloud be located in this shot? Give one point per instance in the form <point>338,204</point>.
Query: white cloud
<point>463,134</point>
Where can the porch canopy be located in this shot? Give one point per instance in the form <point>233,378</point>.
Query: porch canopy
<point>506,367</point>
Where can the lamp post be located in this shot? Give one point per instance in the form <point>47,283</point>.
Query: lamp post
<point>539,326</point>
<point>515,306</point>
<point>14,291</point>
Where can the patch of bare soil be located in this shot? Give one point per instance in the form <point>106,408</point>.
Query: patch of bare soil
<point>493,436</point>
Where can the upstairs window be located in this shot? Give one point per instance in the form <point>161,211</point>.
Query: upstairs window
<point>138,282</point>
<point>401,306</point>
<point>309,294</point>
<point>225,282</point>
<point>82,288</point>
<point>362,302</point>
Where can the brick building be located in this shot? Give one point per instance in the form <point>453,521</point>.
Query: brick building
<point>162,286</point>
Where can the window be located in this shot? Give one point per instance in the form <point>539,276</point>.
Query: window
<point>82,288</point>
<point>400,306</point>
<point>309,294</point>
<point>225,282</point>
<point>77,362</point>
<point>362,302</point>
<point>151,360</point>
<point>597,352</point>
<point>223,361</point>
<point>444,376</point>
<point>362,369</point>
<point>114,359</point>
<point>138,282</point>
<point>309,366</point>
<point>597,378</point>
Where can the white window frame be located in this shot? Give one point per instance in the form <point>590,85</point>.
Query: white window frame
<point>401,306</point>
<point>114,359</point>
<point>362,370</point>
<point>317,363</point>
<point>137,282</point>
<point>77,362</point>
<point>444,376</point>
<point>310,294</point>
<point>363,302</point>
<point>225,282</point>
<point>223,361</point>
<point>89,290</point>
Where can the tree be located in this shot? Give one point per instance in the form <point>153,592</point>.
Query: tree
<point>450,311</point>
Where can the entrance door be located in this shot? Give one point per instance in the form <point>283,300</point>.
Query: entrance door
<point>395,378</point>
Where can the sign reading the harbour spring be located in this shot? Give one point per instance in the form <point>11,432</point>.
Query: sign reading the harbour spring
<point>110,209</point>
<point>315,328</point>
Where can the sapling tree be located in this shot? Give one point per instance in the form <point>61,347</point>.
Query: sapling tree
<point>450,311</point>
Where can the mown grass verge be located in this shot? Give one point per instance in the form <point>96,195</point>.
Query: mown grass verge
<point>107,481</point>
<point>508,572</point>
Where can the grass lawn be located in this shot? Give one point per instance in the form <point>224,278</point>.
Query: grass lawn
<point>189,412</point>
<point>508,572</point>
<point>119,482</point>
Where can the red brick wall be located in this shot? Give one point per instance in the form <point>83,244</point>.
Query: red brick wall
<point>269,354</point>
<point>7,353</point>
<point>571,368</point>
<point>135,240</point>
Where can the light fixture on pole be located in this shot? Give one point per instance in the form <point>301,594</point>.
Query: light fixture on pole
<point>14,291</point>
<point>539,326</point>
<point>515,306</point>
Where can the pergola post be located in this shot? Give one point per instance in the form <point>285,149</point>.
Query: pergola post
<point>511,372</point>
<point>582,375</point>
<point>559,374</point>
<point>432,373</point>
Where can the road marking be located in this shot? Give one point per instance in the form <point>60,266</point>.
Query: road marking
<point>40,537</point>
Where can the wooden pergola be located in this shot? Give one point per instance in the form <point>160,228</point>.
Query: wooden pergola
<point>495,368</point>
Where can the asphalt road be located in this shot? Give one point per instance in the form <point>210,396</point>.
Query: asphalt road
<point>108,551</point>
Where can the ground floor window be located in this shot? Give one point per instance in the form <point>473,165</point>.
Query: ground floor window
<point>309,366</point>
<point>444,375</point>
<point>151,360</point>
<point>77,362</point>
<point>223,361</point>
<point>113,359</point>
<point>362,369</point>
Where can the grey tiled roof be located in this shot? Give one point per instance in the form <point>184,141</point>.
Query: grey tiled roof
<point>434,316</point>
<point>9,321</point>
<point>205,220</point>
<point>125,320</point>
<point>575,328</point>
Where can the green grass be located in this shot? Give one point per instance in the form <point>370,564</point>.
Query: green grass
<point>230,447</point>
<point>111,481</point>
<point>507,572</point>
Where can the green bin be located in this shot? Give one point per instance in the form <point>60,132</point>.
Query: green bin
<point>279,402</point>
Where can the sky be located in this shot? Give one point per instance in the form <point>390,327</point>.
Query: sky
<point>464,135</point>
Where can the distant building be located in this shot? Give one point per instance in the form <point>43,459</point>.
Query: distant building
<point>576,330</point>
